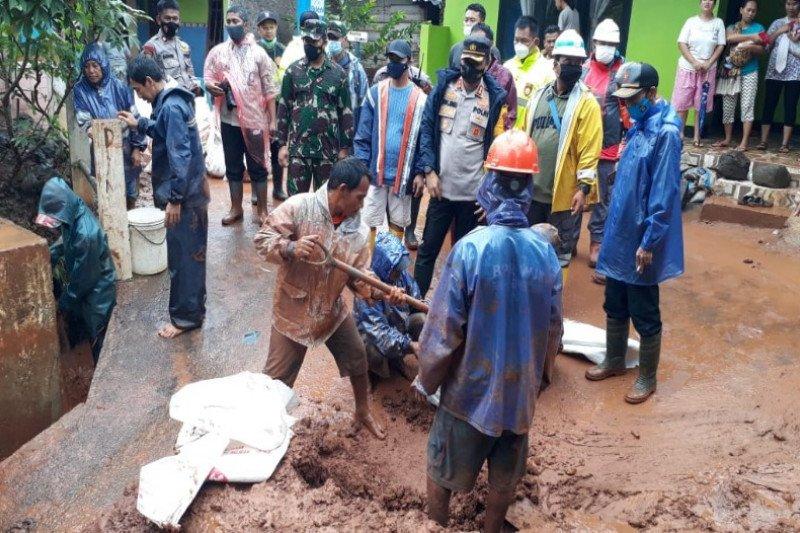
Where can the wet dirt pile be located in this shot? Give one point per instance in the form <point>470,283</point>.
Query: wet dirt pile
<point>19,195</point>
<point>409,407</point>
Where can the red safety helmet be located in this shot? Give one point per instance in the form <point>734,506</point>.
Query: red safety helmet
<point>513,151</point>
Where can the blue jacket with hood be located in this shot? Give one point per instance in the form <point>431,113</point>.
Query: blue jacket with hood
<point>105,99</point>
<point>429,133</point>
<point>384,325</point>
<point>91,290</point>
<point>495,316</point>
<point>179,167</point>
<point>645,209</point>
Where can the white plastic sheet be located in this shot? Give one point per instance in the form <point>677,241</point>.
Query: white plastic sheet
<point>249,409</point>
<point>590,342</point>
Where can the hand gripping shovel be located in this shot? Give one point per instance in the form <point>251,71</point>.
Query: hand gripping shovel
<point>369,280</point>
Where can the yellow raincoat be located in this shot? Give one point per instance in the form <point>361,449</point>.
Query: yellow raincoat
<point>580,142</point>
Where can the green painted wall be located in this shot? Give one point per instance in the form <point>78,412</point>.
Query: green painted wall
<point>454,18</point>
<point>653,37</point>
<point>194,11</point>
<point>434,47</point>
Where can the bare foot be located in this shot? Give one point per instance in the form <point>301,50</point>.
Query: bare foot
<point>721,144</point>
<point>169,331</point>
<point>741,148</point>
<point>366,419</point>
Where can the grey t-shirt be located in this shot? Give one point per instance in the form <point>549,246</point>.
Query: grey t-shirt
<point>568,19</point>
<point>545,134</point>
<point>461,148</point>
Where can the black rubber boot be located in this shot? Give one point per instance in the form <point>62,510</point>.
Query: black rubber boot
<point>616,348</point>
<point>235,214</point>
<point>645,384</point>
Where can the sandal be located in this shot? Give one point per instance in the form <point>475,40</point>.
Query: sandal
<point>721,144</point>
<point>697,144</point>
<point>761,146</point>
<point>783,149</point>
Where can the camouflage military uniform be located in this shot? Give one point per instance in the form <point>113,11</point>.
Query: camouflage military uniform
<point>315,120</point>
<point>174,58</point>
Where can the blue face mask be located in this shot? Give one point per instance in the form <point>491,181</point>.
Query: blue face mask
<point>639,110</point>
<point>334,48</point>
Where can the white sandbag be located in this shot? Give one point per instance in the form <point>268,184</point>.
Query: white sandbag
<point>590,342</point>
<point>246,407</point>
<point>248,465</point>
<point>168,486</point>
<point>434,398</point>
<point>215,155</point>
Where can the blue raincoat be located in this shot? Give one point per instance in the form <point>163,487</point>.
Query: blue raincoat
<point>91,291</point>
<point>384,325</point>
<point>495,315</point>
<point>105,101</point>
<point>179,168</point>
<point>179,177</point>
<point>645,209</point>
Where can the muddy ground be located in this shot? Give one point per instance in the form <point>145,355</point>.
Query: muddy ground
<point>715,449</point>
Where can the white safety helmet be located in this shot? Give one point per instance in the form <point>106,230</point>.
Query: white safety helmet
<point>607,31</point>
<point>569,44</point>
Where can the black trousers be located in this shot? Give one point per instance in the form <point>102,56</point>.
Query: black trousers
<point>637,302</point>
<point>277,169</point>
<point>791,95</point>
<point>186,257</point>
<point>235,149</point>
<point>441,213</point>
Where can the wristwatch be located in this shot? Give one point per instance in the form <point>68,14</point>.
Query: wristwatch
<point>585,188</point>
<point>427,169</point>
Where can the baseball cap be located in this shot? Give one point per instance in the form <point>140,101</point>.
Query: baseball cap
<point>400,48</point>
<point>308,15</point>
<point>338,28</point>
<point>476,47</point>
<point>633,78</point>
<point>314,29</point>
<point>266,15</point>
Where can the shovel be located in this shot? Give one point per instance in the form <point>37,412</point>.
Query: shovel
<point>369,280</point>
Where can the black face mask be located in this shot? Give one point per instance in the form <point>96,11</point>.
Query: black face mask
<point>395,70</point>
<point>570,74</point>
<point>311,51</point>
<point>471,73</point>
<point>170,29</point>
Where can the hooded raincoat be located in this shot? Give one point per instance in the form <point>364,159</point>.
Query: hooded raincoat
<point>252,76</point>
<point>382,324</point>
<point>104,101</point>
<point>91,291</point>
<point>495,316</point>
<point>645,208</point>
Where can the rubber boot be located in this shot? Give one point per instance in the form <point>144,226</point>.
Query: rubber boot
<point>594,254</point>
<point>277,184</point>
<point>616,347</point>
<point>410,236</point>
<point>253,195</point>
<point>236,213</point>
<point>645,384</point>
<point>260,214</point>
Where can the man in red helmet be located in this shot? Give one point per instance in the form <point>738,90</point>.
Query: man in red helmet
<point>494,321</point>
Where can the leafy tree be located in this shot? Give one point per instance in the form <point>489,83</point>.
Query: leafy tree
<point>40,46</point>
<point>360,15</point>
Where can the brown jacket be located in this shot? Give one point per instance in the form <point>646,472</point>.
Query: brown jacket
<point>308,303</point>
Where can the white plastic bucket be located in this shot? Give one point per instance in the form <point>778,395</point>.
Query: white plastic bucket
<point>148,240</point>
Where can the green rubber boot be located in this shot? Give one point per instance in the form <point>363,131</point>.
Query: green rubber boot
<point>645,384</point>
<point>616,347</point>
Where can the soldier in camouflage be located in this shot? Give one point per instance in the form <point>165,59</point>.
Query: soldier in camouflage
<point>315,121</point>
<point>168,50</point>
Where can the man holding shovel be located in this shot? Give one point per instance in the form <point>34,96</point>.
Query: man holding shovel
<point>309,308</point>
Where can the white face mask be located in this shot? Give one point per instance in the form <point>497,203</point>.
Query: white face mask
<point>521,51</point>
<point>604,53</point>
<point>467,30</point>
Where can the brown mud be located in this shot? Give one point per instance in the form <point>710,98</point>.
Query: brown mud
<point>715,449</point>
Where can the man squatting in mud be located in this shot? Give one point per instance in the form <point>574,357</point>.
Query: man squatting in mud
<point>309,308</point>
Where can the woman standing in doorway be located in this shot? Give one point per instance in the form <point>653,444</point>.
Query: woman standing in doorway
<point>783,75</point>
<point>738,73</point>
<point>701,42</point>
